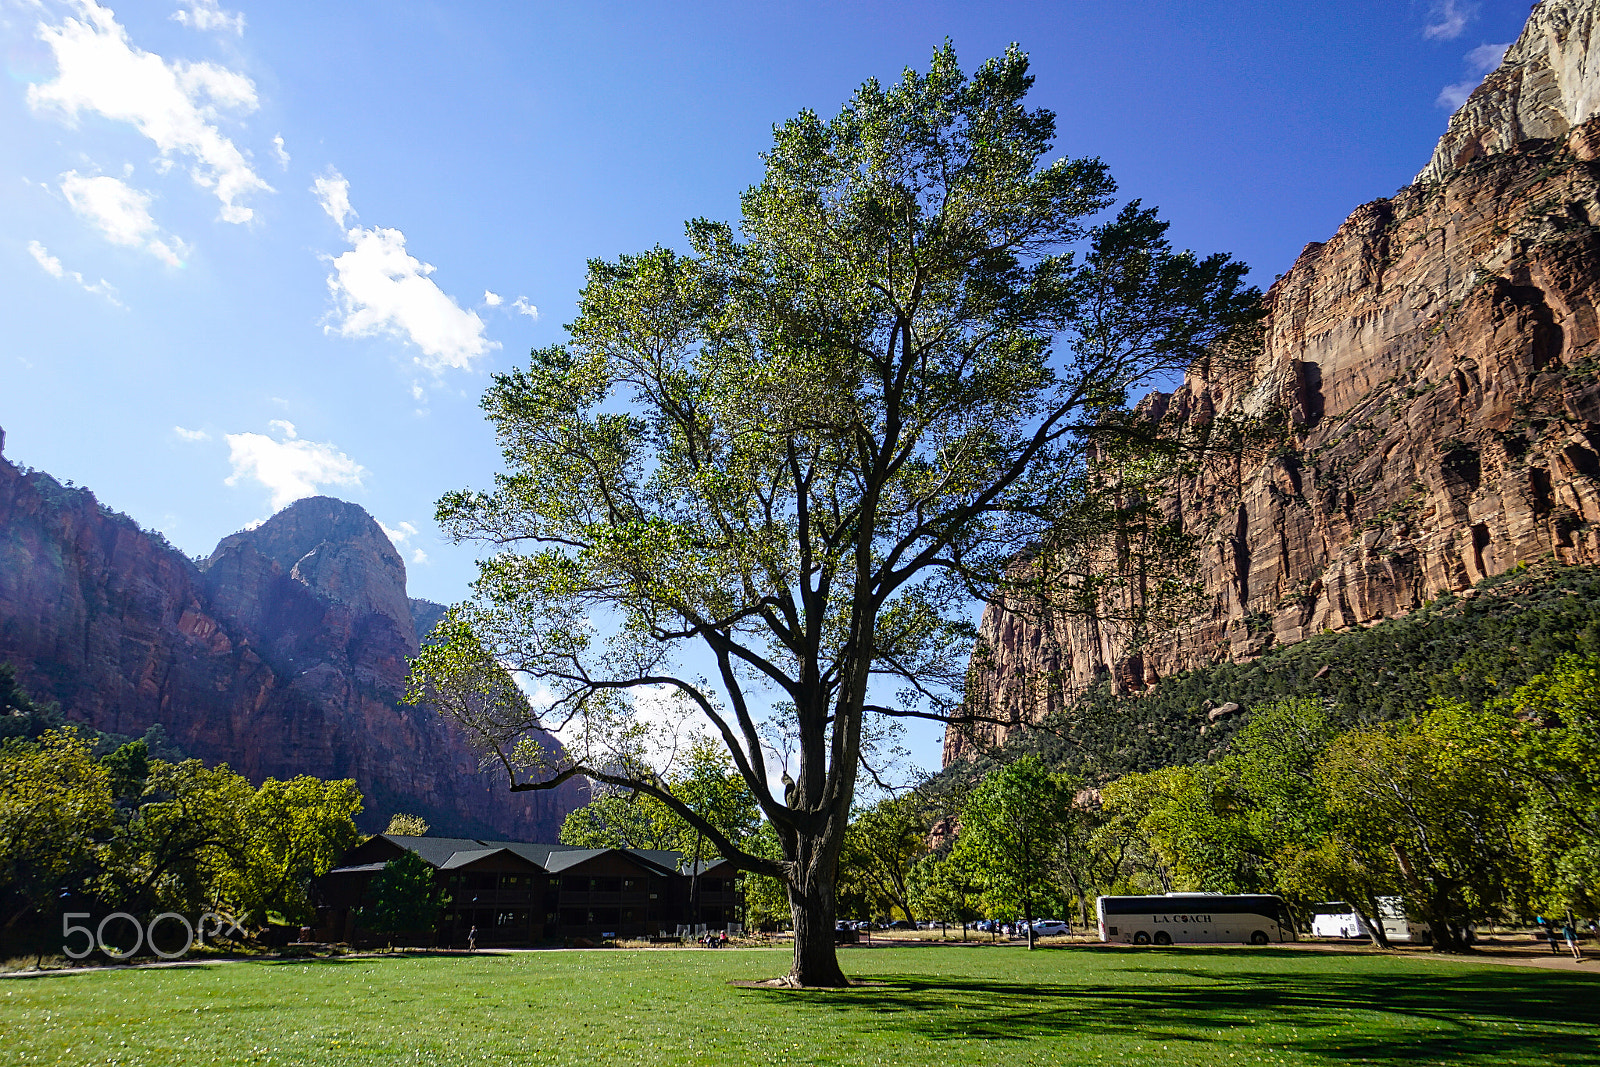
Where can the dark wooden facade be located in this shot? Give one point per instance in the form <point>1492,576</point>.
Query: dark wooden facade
<point>520,893</point>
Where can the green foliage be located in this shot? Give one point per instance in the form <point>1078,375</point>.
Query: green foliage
<point>766,899</point>
<point>622,818</point>
<point>1555,752</point>
<point>294,831</point>
<point>129,765</point>
<point>146,835</point>
<point>707,784</point>
<point>181,842</point>
<point>946,885</point>
<point>20,715</point>
<point>55,803</point>
<point>402,898</point>
<point>880,848</point>
<point>403,825</point>
<point>1011,831</point>
<point>1448,826</point>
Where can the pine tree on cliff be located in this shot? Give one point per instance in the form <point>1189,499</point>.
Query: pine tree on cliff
<point>766,480</point>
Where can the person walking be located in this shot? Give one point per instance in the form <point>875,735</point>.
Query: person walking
<point>1571,934</point>
<point>472,938</point>
<point>1553,936</point>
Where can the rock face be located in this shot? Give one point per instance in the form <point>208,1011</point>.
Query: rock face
<point>283,653</point>
<point>1548,82</point>
<point>1435,372</point>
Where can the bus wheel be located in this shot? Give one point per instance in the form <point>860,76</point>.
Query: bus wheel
<point>1258,938</point>
<point>1141,938</point>
<point>1163,938</point>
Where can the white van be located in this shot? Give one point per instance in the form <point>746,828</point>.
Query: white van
<point>1335,918</point>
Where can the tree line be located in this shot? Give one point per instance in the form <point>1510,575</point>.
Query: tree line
<point>88,830</point>
<point>1470,813</point>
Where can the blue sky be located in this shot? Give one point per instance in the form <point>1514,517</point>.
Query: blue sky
<point>249,252</point>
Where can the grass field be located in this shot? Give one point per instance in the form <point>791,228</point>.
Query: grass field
<point>936,1006</point>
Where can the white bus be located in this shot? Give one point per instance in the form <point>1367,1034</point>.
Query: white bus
<point>1180,918</point>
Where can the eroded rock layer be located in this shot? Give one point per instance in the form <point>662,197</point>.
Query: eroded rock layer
<point>283,653</point>
<point>1435,372</point>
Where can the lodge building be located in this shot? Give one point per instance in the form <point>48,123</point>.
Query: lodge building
<point>518,893</point>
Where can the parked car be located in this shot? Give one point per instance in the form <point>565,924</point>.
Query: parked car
<point>901,924</point>
<point>1050,928</point>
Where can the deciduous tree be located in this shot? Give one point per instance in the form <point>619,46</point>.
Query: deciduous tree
<point>1449,827</point>
<point>881,846</point>
<point>772,474</point>
<point>1011,830</point>
<point>55,803</point>
<point>293,832</point>
<point>402,898</point>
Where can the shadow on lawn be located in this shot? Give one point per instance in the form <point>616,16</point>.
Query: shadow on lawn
<point>1495,1016</point>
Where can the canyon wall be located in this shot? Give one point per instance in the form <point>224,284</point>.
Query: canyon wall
<point>282,653</point>
<point>1434,373</point>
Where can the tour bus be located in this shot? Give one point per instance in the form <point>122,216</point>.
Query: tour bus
<point>1335,918</point>
<point>1179,918</point>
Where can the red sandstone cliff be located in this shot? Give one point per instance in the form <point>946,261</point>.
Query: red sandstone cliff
<point>283,653</point>
<point>1435,366</point>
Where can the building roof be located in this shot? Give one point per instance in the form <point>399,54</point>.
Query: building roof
<point>450,853</point>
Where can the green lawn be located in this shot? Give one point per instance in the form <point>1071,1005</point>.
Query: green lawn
<point>937,1006</point>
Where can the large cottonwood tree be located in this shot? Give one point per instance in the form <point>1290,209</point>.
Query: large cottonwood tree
<point>771,476</point>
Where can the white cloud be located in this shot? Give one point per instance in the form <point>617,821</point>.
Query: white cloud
<point>521,306</point>
<point>42,256</point>
<point>1486,57</point>
<point>399,534</point>
<point>289,469</point>
<point>333,193</point>
<point>284,427</point>
<point>122,214</point>
<point>1455,94</point>
<point>494,300</point>
<point>191,435</point>
<point>380,288</point>
<point>52,266</point>
<point>206,15</point>
<point>1449,19</point>
<point>1481,61</point>
<point>281,152</point>
<point>176,105</point>
<point>418,393</point>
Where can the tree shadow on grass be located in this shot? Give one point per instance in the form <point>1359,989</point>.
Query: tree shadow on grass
<point>1502,1016</point>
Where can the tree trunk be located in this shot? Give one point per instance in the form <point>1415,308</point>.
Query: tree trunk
<point>694,887</point>
<point>816,960</point>
<point>1374,921</point>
